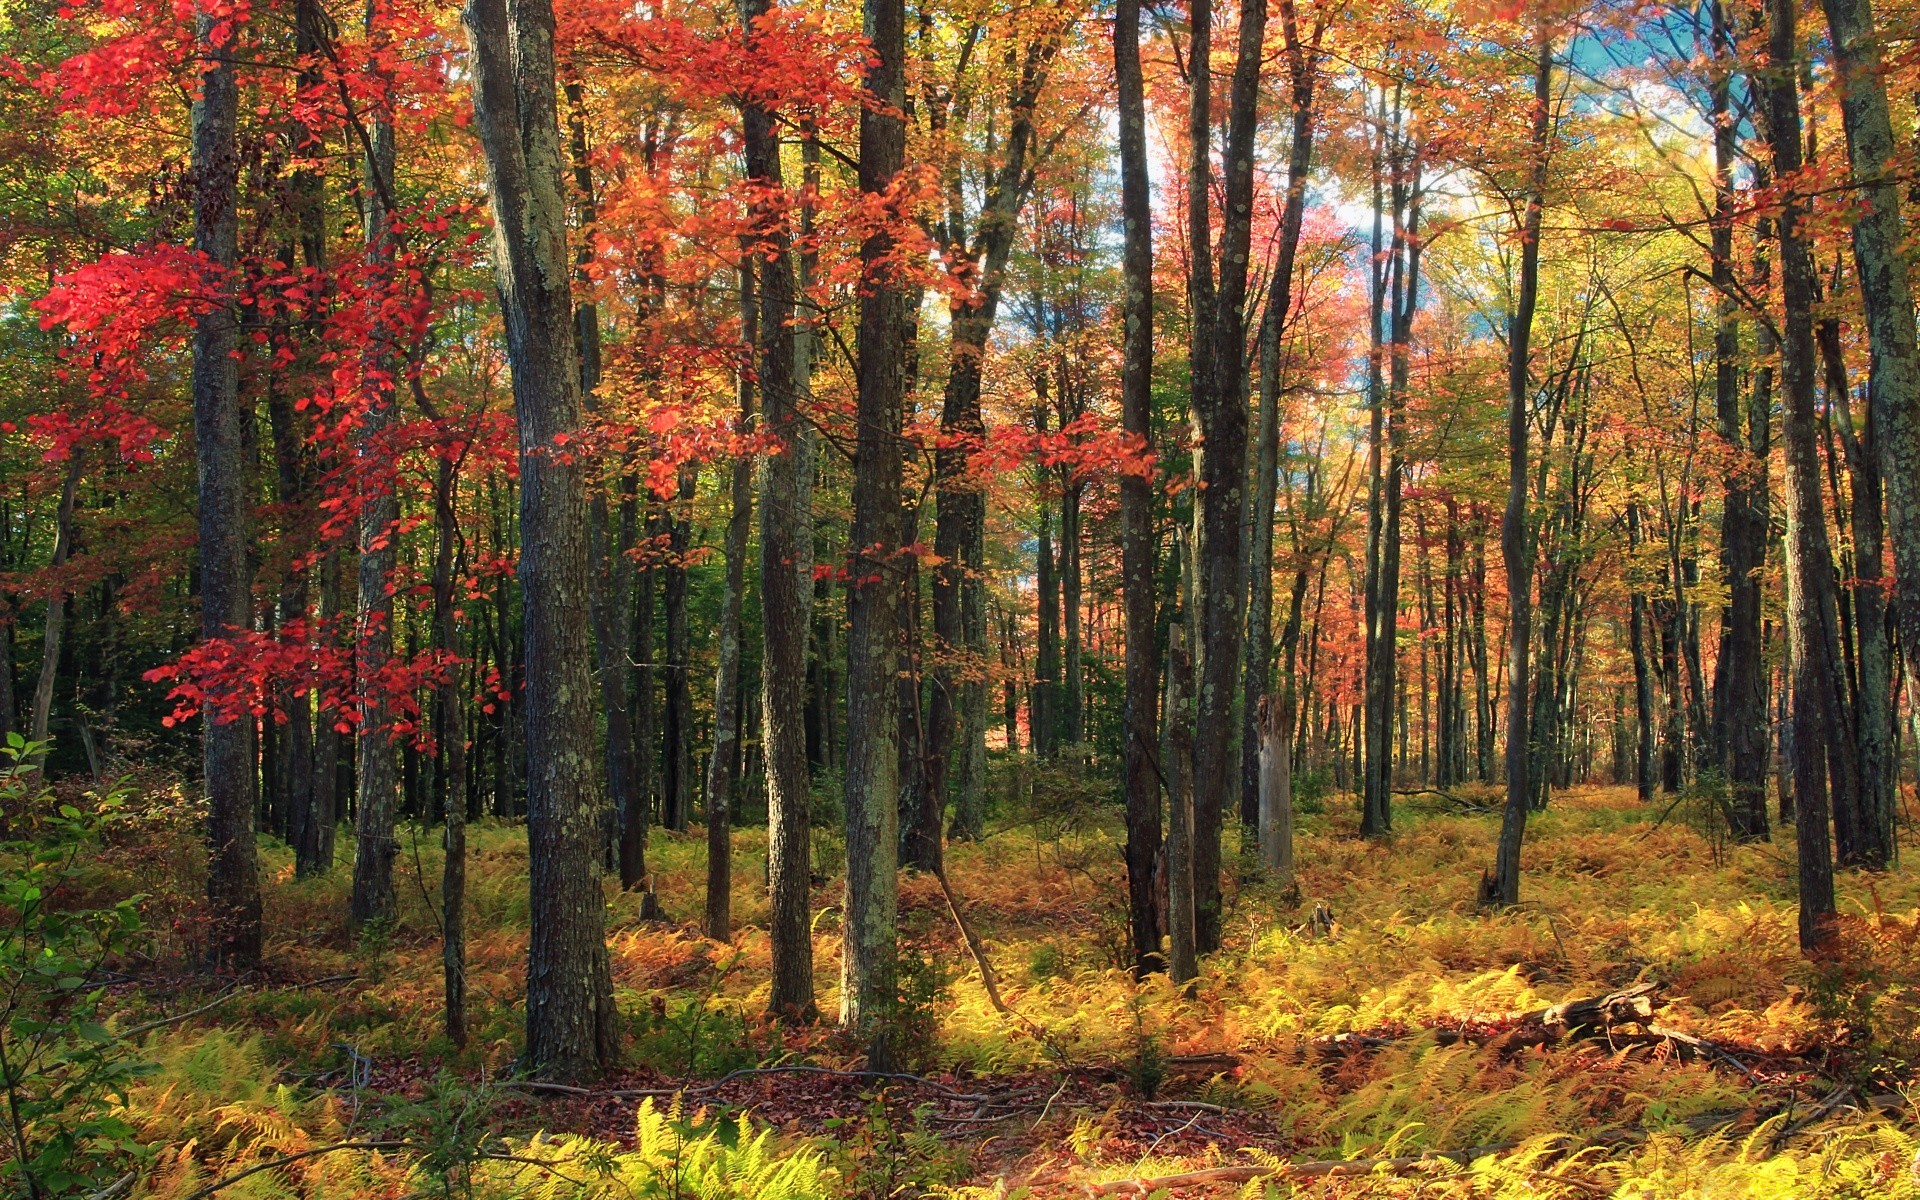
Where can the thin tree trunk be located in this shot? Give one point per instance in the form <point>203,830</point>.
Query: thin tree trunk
<point>571,1020</point>
<point>676,801</point>
<point>1176,756</point>
<point>1516,542</point>
<point>375,845</point>
<point>56,603</point>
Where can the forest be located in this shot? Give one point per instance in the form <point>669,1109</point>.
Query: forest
<point>989,599</point>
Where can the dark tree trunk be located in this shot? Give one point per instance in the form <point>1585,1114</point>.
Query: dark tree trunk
<point>1303,65</point>
<point>375,846</point>
<point>676,800</point>
<point>1879,238</point>
<point>635,819</point>
<point>1812,620</point>
<point>1740,718</point>
<point>869,956</point>
<point>786,569</point>
<point>1140,735</point>
<point>1874,733</point>
<point>1516,542</point>
<point>571,1020</point>
<point>219,426</point>
<point>1219,397</point>
<point>1637,622</point>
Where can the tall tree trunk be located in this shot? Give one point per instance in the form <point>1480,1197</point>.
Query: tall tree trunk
<point>1812,620</point>
<point>378,786</point>
<point>1219,396</point>
<point>1303,65</point>
<point>219,425</point>
<point>1516,542</point>
<point>786,569</point>
<point>571,1020</point>
<point>1139,736</point>
<point>1740,683</point>
<point>726,676</point>
<point>869,956</point>
<point>611,527</point>
<point>1874,731</point>
<point>453,747</point>
<point>1879,252</point>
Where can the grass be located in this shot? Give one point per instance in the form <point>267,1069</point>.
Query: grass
<point>1095,1078</point>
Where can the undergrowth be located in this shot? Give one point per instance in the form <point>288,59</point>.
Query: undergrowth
<point>341,1042</point>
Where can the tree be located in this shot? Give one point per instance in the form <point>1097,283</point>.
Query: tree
<point>570,1012</point>
<point>1140,770</point>
<point>226,606</point>
<point>1516,540</point>
<point>868,959</point>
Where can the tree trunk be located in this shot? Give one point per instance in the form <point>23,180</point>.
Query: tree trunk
<point>1874,823</point>
<point>375,846</point>
<point>1176,757</point>
<point>869,964</point>
<point>571,1020</point>
<point>1516,542</point>
<point>219,425</point>
<point>1303,65</point>
<point>453,748</point>
<point>1219,397</point>
<point>1878,245</point>
<point>1812,621</point>
<point>635,819</point>
<point>1137,552</point>
<point>726,675</point>
<point>56,604</point>
<point>676,799</point>
<point>786,569</point>
<point>1637,621</point>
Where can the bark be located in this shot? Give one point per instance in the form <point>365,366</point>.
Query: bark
<point>611,527</point>
<point>676,796</point>
<point>959,647</point>
<point>726,675</point>
<point>869,956</point>
<point>1219,401</point>
<point>1516,542</point>
<point>375,846</point>
<point>219,426</point>
<point>56,613</point>
<point>785,585</point>
<point>1812,624</point>
<point>571,1020</point>
<point>1879,254</point>
<point>1637,621</point>
<point>1740,717</point>
<point>1137,551</point>
<point>1176,756</point>
<point>638,815</point>
<point>1276,793</point>
<point>453,747</point>
<point>1303,66</point>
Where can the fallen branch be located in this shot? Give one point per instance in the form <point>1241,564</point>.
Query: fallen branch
<point>150,1026</point>
<point>285,1160</point>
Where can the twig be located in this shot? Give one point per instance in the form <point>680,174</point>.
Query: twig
<point>149,1026</point>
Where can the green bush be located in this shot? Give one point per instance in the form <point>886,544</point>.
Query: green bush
<point>62,1070</point>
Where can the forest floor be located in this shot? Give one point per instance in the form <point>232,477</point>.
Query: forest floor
<point>1403,1039</point>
